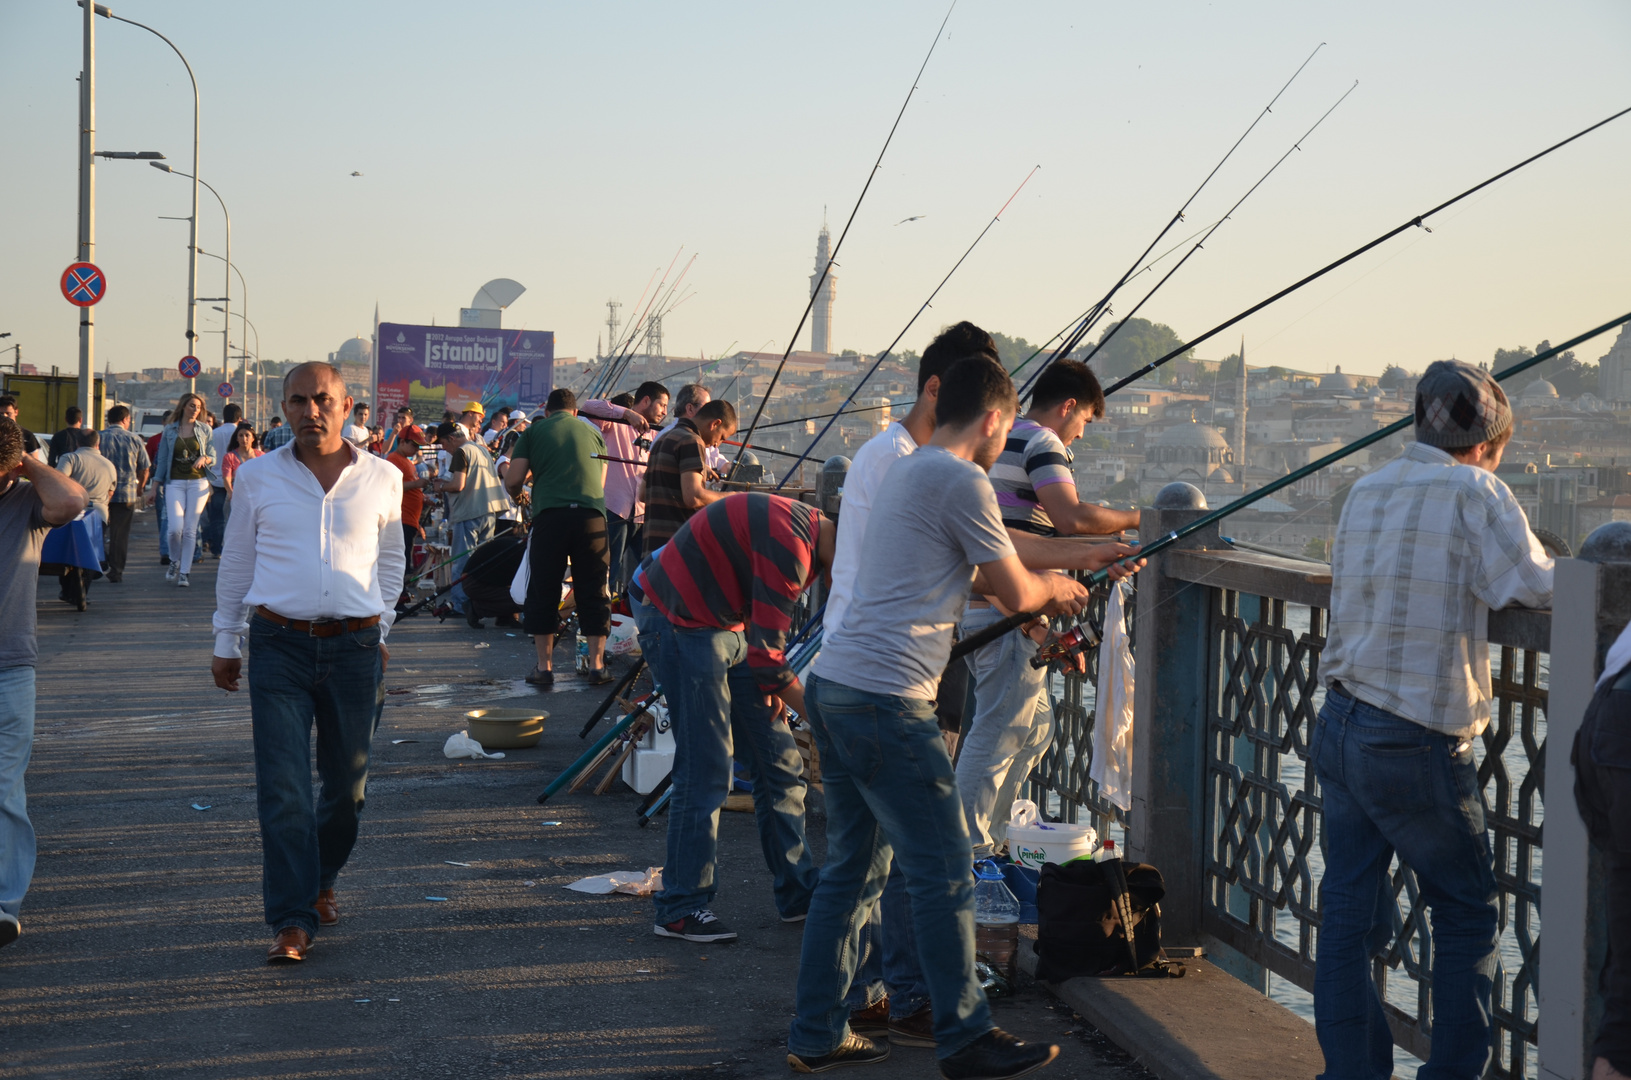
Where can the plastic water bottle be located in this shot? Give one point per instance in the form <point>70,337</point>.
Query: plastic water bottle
<point>996,918</point>
<point>1107,852</point>
<point>583,652</point>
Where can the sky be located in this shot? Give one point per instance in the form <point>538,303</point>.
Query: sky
<point>577,147</point>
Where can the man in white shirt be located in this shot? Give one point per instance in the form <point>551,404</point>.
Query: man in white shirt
<point>314,565</point>
<point>1427,545</point>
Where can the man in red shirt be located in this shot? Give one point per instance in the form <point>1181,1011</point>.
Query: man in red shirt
<point>404,453</point>
<point>716,604</point>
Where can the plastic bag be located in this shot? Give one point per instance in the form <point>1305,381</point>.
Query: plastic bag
<point>463,746</point>
<point>1112,766</point>
<point>523,576</point>
<point>622,640</point>
<point>628,882</point>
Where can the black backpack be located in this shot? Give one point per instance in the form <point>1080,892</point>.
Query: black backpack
<point>1083,909</point>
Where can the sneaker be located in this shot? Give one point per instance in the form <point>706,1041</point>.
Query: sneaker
<point>182,582</point>
<point>871,1022</point>
<point>854,1050</point>
<point>997,1055</point>
<point>701,926</point>
<point>540,677</point>
<point>164,560</point>
<point>10,929</point>
<point>170,574</point>
<point>600,676</point>
<point>800,917</point>
<point>914,1030</point>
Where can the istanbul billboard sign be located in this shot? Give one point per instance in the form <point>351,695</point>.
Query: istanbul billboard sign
<point>434,368</point>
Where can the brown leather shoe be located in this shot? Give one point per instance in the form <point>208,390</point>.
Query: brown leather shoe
<point>871,1022</point>
<point>290,945</point>
<point>914,1030</point>
<point>328,909</point>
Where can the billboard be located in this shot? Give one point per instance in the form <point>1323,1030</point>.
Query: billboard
<point>433,368</point>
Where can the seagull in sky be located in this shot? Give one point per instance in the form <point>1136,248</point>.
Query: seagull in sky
<point>356,174</point>
<point>915,217</point>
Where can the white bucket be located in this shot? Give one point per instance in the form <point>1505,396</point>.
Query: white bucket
<point>1032,842</point>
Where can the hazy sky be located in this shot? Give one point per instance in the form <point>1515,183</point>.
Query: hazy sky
<point>576,147</point>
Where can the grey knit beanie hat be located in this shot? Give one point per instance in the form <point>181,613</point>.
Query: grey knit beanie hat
<point>1459,405</point>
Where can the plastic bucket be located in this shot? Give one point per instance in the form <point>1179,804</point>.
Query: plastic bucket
<point>1033,843</point>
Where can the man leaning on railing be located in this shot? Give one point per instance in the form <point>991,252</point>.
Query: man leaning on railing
<point>1427,545</point>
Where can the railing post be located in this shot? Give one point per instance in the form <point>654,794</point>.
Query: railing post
<point>1589,608</point>
<point>1167,826</point>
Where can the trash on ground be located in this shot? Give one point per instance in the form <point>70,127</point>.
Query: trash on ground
<point>399,742</point>
<point>201,806</point>
<point>530,884</point>
<point>463,746</point>
<point>628,882</point>
<point>549,823</point>
<point>361,1001</point>
<point>437,899</point>
<point>393,999</point>
<point>642,971</point>
<point>483,645</point>
<point>450,862</point>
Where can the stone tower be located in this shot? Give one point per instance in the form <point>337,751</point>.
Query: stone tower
<point>821,313</point>
<point>1237,430</point>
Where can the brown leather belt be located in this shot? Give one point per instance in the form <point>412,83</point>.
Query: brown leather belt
<point>318,627</point>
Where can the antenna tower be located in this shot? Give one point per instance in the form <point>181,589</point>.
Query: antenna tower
<point>654,334</point>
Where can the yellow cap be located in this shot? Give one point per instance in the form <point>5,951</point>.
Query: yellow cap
<point>475,407</point>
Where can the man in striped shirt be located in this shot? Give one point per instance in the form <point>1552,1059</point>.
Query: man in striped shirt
<point>1427,545</point>
<point>1036,492</point>
<point>717,604</point>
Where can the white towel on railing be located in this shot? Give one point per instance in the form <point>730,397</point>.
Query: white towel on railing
<point>1113,729</point>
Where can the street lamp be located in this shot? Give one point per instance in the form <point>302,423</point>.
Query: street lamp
<point>192,240</point>
<point>130,155</point>
<point>226,368</point>
<point>242,371</point>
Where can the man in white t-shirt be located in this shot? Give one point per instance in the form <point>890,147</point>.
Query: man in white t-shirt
<point>356,432</point>
<point>213,530</point>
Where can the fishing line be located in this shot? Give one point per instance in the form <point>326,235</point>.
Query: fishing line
<point>833,255</point>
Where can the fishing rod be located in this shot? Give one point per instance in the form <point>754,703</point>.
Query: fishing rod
<point>802,457</point>
<point>1085,635</point>
<point>612,347</point>
<point>609,387</point>
<point>815,290</point>
<point>1298,145</point>
<point>1416,222</point>
<point>663,304</point>
<point>1098,308</point>
<point>618,352</point>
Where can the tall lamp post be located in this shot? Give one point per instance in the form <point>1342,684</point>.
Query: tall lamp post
<point>192,240</point>
<point>243,371</point>
<point>226,366</point>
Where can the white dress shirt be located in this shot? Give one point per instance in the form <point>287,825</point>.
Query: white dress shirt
<point>307,554</point>
<point>861,484</point>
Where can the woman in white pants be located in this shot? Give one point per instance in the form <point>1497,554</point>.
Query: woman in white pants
<point>181,479</point>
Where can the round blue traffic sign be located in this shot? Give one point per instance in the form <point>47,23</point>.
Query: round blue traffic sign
<point>189,367</point>
<point>224,390</point>
<point>83,284</point>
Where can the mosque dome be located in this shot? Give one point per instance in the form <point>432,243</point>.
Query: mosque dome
<point>1192,436</point>
<point>356,351</point>
<point>1539,392</point>
<point>1338,381</point>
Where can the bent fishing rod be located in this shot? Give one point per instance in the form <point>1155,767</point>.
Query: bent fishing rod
<point>832,257</point>
<point>808,450</point>
<point>1419,221</point>
<point>1111,332</point>
<point>1097,309</point>
<point>613,348</point>
<point>663,303</point>
<point>1085,635</point>
<point>635,326</point>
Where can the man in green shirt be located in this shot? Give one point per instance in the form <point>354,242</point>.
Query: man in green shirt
<point>569,525</point>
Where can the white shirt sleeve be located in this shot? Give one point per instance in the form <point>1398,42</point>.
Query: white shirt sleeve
<point>237,571</point>
<point>393,556</point>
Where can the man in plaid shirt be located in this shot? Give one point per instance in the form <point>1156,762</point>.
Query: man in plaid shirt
<point>1428,544</point>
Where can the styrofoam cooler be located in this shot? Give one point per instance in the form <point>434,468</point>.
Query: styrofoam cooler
<point>653,756</point>
<point>1033,842</point>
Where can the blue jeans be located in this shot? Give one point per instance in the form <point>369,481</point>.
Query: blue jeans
<point>1392,785</point>
<point>467,537</point>
<point>889,964</point>
<point>1010,731</point>
<point>17,846</point>
<point>215,521</point>
<point>294,680</point>
<point>619,530</point>
<point>717,713</point>
<point>890,790</point>
<point>164,533</point>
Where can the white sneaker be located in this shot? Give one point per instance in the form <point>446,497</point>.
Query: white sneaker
<point>171,571</point>
<point>183,582</point>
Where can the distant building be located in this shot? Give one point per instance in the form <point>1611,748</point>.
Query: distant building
<point>823,289</point>
<point>1614,372</point>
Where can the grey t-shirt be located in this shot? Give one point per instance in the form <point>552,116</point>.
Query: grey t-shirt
<point>22,533</point>
<point>934,518</point>
<point>93,472</point>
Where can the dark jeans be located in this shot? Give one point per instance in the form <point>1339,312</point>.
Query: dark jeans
<point>1393,785</point>
<point>295,680</point>
<point>215,521</point>
<point>76,585</point>
<point>890,791</point>
<point>410,534</point>
<point>1602,791</point>
<point>574,534</point>
<point>889,965</point>
<point>718,714</point>
<point>120,516</point>
<point>619,533</point>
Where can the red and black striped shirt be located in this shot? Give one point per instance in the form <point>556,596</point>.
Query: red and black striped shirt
<point>738,564</point>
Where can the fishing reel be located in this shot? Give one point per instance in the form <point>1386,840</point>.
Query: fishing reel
<point>643,442</point>
<point>1084,635</point>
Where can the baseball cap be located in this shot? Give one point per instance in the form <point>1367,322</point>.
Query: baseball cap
<point>517,414</point>
<point>473,406</point>
<point>412,433</point>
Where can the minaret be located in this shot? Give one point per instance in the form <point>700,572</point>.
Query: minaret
<point>1237,441</point>
<point>821,313</point>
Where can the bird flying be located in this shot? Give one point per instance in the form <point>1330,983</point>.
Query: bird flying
<point>915,217</point>
<point>356,174</point>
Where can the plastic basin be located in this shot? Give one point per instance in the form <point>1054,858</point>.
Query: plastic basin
<point>506,729</point>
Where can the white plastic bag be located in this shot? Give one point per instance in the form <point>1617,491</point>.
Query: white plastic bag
<point>622,641</point>
<point>1113,732</point>
<point>629,882</point>
<point>523,576</point>
<point>463,746</point>
<point>1024,813</point>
